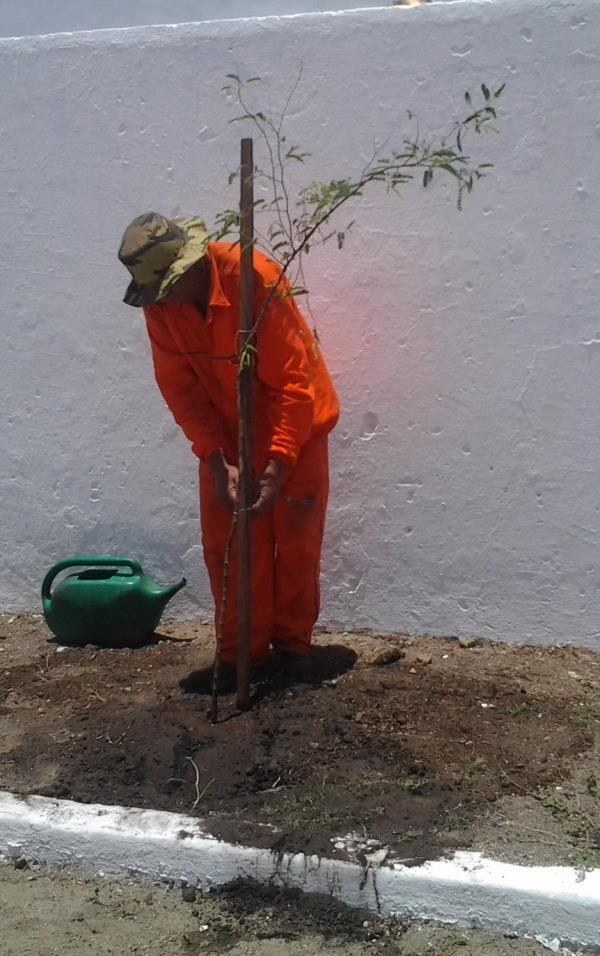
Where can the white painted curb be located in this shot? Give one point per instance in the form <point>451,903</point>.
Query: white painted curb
<point>548,903</point>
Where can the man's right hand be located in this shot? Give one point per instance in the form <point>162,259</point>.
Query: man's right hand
<point>226,478</point>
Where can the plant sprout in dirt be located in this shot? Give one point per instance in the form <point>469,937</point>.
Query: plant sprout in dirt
<point>294,224</point>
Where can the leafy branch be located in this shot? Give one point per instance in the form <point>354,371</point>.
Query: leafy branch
<point>296,227</point>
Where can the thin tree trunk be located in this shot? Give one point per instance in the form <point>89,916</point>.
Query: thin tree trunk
<point>244,388</point>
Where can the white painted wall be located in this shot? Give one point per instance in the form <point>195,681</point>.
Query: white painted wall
<point>464,346</point>
<point>33,17</point>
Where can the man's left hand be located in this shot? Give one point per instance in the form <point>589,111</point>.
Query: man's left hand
<point>269,486</point>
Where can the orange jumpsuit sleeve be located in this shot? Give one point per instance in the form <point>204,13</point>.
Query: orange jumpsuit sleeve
<point>283,366</point>
<point>183,389</point>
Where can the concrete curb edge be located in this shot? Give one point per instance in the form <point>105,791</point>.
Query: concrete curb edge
<point>550,904</point>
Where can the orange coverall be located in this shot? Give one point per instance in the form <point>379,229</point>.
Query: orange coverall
<point>294,408</point>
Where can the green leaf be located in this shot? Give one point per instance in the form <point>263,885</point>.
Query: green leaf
<point>293,153</point>
<point>450,169</point>
<point>232,177</point>
<point>499,91</point>
<point>254,79</point>
<point>340,239</point>
<point>233,76</point>
<point>485,91</point>
<point>246,359</point>
<point>325,238</point>
<point>468,97</point>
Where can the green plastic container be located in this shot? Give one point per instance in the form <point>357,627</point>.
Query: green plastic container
<point>112,603</point>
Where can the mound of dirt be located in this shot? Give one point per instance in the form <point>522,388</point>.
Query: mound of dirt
<point>401,742</point>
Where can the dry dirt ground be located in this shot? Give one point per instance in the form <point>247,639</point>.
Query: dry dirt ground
<point>70,914</point>
<point>425,745</point>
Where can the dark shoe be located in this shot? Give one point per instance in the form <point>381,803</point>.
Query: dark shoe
<point>297,668</point>
<point>201,681</point>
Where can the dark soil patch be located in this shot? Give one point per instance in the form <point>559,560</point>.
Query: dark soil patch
<point>279,911</point>
<point>402,754</point>
<point>69,912</point>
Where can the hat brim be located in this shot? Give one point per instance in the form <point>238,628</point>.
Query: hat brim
<point>191,252</point>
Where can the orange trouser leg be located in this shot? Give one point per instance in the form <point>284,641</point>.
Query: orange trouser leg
<point>215,520</point>
<point>299,520</point>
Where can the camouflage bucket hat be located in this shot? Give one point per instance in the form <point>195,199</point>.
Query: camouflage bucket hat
<point>157,251</point>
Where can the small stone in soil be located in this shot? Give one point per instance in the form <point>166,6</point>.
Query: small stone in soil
<point>188,894</point>
<point>467,641</point>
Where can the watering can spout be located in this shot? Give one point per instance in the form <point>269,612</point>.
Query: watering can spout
<point>162,596</point>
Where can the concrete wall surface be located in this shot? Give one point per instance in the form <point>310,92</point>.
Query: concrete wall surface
<point>465,346</point>
<point>33,17</point>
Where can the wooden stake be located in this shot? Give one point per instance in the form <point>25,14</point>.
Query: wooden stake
<point>244,390</point>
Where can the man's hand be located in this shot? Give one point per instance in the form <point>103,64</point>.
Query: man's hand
<point>269,486</point>
<point>226,478</point>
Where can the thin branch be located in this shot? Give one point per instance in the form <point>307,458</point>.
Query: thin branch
<point>214,709</point>
<point>196,783</point>
<point>122,737</point>
<point>259,126</point>
<point>278,134</point>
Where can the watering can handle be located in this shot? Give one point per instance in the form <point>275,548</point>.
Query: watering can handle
<point>96,562</point>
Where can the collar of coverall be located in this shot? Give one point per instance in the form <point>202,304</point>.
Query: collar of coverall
<point>216,295</point>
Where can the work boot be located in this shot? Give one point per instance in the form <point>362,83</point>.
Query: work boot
<point>201,681</point>
<point>297,668</point>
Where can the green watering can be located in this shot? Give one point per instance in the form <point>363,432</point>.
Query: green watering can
<point>112,603</point>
